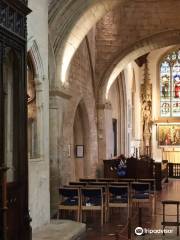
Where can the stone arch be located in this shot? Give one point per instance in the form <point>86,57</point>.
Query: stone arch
<point>76,18</point>
<point>68,163</point>
<point>138,49</point>
<point>119,89</point>
<point>39,76</point>
<point>33,51</point>
<point>81,131</point>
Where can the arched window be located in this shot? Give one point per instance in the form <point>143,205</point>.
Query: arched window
<point>170,85</point>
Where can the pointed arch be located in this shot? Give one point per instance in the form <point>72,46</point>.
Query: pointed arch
<point>81,16</point>
<point>36,64</point>
<point>170,37</point>
<point>81,131</point>
<point>34,53</point>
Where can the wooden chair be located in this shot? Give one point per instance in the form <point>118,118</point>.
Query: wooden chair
<point>92,200</point>
<point>87,180</point>
<point>119,183</point>
<point>104,186</point>
<point>107,180</point>
<point>118,197</point>
<point>141,197</point>
<point>171,223</point>
<point>129,180</point>
<point>69,200</point>
<point>140,192</point>
<point>98,184</point>
<point>152,182</point>
<point>80,184</point>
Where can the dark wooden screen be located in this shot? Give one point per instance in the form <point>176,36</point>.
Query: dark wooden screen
<point>14,214</point>
<point>174,170</point>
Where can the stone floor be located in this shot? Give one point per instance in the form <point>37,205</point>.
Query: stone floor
<point>170,191</point>
<point>61,230</point>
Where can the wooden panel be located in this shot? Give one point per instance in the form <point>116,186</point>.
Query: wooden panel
<point>14,218</point>
<point>135,168</point>
<point>110,168</point>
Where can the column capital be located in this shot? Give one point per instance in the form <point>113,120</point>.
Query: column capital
<point>107,105</point>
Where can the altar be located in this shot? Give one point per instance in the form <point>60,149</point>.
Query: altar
<point>171,154</point>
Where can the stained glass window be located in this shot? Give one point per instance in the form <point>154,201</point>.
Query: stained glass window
<point>170,85</point>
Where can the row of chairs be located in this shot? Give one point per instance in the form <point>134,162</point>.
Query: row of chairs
<point>103,196</point>
<point>116,180</point>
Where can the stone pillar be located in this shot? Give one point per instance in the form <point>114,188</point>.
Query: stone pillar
<point>105,134</point>
<point>40,113</point>
<point>59,150</point>
<point>55,133</point>
<point>146,96</point>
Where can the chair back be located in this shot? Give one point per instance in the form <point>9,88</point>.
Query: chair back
<point>86,180</point>
<point>119,190</point>
<point>119,183</point>
<point>141,186</point>
<point>118,195</point>
<point>106,180</point>
<point>98,183</point>
<point>91,192</point>
<point>102,185</point>
<point>69,192</point>
<point>151,181</point>
<point>91,197</point>
<point>126,180</point>
<point>78,184</point>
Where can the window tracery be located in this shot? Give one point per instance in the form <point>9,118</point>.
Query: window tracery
<point>170,85</point>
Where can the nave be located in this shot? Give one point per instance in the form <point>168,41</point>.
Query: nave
<point>81,83</point>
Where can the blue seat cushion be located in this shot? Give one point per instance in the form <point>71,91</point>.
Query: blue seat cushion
<point>93,202</point>
<point>70,202</point>
<point>141,196</point>
<point>119,199</point>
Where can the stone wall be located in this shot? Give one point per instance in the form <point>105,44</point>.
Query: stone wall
<point>123,109</point>
<point>80,92</point>
<point>134,27</point>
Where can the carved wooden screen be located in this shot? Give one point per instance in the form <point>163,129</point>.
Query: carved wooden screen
<point>14,215</point>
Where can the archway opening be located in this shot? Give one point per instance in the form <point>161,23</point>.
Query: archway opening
<point>81,142</point>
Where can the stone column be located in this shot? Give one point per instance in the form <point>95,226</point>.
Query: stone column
<point>105,133</point>
<point>146,96</point>
<point>55,133</point>
<point>58,149</point>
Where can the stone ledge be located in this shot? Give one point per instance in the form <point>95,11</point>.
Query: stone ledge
<point>60,229</point>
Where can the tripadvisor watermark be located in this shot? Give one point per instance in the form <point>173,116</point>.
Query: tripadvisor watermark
<point>141,231</point>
